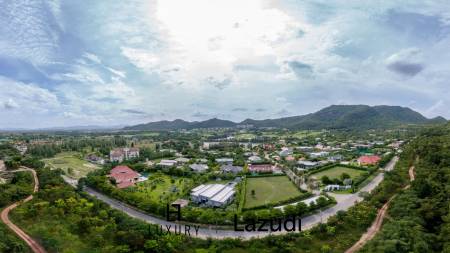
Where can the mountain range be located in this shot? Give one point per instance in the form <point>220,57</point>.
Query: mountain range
<point>331,117</point>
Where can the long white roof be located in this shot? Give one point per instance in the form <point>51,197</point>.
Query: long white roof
<point>213,190</point>
<point>223,195</point>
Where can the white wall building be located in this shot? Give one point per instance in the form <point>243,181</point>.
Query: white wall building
<point>214,195</point>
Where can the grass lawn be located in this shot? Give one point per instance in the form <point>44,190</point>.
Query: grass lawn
<point>304,134</point>
<point>160,187</point>
<point>245,136</point>
<point>269,190</point>
<point>336,172</point>
<point>72,164</point>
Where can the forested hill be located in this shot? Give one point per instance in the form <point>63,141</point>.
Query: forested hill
<point>332,117</point>
<point>420,216</point>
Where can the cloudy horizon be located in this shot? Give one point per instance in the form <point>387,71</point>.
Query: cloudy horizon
<point>63,63</point>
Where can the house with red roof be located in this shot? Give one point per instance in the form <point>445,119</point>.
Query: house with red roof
<point>124,176</point>
<point>368,160</point>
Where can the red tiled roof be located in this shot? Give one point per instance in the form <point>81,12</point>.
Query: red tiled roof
<point>369,159</point>
<point>124,176</point>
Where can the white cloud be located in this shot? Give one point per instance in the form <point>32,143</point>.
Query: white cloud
<point>141,58</point>
<point>26,97</point>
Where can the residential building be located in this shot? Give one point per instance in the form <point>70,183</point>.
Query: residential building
<point>307,164</point>
<point>121,154</point>
<point>199,168</point>
<point>336,187</point>
<point>285,152</point>
<point>319,154</point>
<point>124,176</point>
<point>95,159</point>
<point>167,163</point>
<point>368,160</point>
<point>224,160</point>
<point>254,159</point>
<point>228,168</point>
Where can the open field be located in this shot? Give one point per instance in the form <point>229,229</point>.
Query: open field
<point>161,187</point>
<point>336,172</point>
<point>269,190</point>
<point>245,136</point>
<point>72,164</point>
<point>304,134</point>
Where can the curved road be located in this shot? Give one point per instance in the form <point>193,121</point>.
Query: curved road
<point>5,213</point>
<point>344,202</point>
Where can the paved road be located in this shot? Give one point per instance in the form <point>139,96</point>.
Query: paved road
<point>5,213</point>
<point>344,202</point>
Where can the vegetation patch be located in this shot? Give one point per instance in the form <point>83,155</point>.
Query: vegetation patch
<point>72,164</point>
<point>160,187</point>
<point>262,191</point>
<point>337,171</point>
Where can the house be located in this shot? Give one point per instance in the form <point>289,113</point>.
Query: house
<point>228,168</point>
<point>224,160</point>
<point>208,145</point>
<point>95,159</point>
<point>262,168</point>
<point>124,176</point>
<point>319,154</point>
<point>167,163</point>
<point>335,158</point>
<point>199,168</point>
<point>254,159</point>
<point>336,187</point>
<point>307,164</point>
<point>121,154</point>
<point>214,195</point>
<point>305,148</point>
<point>285,152</point>
<point>368,160</point>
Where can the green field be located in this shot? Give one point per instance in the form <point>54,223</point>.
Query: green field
<point>72,164</point>
<point>245,136</point>
<point>269,190</point>
<point>304,134</point>
<point>336,172</point>
<point>160,187</point>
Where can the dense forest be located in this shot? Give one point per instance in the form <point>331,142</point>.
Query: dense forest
<point>420,216</point>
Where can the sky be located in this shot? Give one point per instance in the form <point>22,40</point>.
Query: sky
<point>107,63</point>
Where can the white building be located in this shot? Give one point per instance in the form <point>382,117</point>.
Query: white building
<point>199,168</point>
<point>121,154</point>
<point>254,159</point>
<point>167,163</point>
<point>307,164</point>
<point>336,187</point>
<point>214,195</point>
<point>224,160</point>
<point>319,154</point>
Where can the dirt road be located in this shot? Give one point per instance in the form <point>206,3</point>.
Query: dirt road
<point>376,225</point>
<point>36,247</point>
